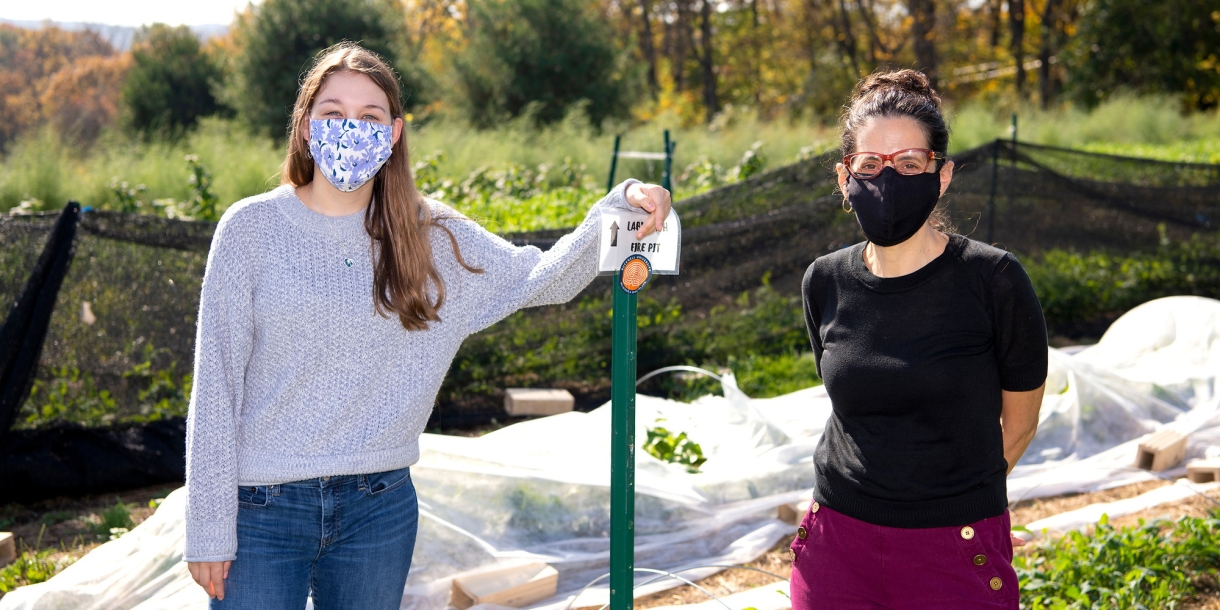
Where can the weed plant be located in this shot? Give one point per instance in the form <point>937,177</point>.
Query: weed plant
<point>665,445</point>
<point>113,522</point>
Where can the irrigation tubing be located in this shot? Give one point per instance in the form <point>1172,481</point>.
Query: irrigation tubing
<point>651,571</point>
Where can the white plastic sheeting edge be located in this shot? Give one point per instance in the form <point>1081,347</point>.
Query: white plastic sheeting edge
<point>1091,514</point>
<point>774,596</point>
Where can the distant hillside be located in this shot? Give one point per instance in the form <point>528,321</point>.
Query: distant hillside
<point>117,35</point>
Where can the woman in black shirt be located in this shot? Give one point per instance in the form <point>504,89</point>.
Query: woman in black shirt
<point>933,350</point>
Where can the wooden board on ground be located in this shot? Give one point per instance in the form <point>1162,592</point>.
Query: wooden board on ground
<point>537,401</point>
<point>793,514</point>
<point>515,587</point>
<point>1203,471</point>
<point>8,549</point>
<point>1161,451</point>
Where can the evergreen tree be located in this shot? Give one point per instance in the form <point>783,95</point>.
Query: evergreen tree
<point>171,80</point>
<point>544,56</point>
<point>279,40</point>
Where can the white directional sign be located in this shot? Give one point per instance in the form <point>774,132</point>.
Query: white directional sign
<point>661,248</point>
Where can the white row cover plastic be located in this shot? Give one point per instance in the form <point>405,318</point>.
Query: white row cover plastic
<point>539,490</point>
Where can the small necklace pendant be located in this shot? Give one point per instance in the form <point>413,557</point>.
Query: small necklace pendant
<point>348,262</point>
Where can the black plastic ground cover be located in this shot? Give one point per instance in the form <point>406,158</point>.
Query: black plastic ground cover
<point>70,460</point>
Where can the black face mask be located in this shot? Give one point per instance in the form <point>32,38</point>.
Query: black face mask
<point>891,207</point>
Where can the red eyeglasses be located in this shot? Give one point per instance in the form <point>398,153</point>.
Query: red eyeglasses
<point>909,162</point>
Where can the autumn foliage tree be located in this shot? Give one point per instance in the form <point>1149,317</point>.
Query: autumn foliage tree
<point>29,63</point>
<point>82,98</point>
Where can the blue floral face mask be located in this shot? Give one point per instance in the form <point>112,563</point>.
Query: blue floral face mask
<point>348,151</point>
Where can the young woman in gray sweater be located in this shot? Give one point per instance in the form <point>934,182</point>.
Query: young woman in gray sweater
<point>331,309</point>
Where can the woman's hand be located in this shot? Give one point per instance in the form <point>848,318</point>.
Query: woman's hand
<point>211,576</point>
<point>652,199</point>
<point>1016,540</point>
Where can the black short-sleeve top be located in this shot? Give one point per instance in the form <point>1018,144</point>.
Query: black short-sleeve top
<point>914,366</point>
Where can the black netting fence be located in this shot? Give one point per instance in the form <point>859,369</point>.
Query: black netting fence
<point>111,379</point>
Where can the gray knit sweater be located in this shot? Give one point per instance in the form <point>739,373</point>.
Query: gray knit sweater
<point>297,377</point>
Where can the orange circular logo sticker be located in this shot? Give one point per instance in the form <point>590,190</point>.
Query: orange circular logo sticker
<point>635,273</point>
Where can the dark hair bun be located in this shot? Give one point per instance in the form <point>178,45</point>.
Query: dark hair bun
<point>901,93</point>
<point>908,82</point>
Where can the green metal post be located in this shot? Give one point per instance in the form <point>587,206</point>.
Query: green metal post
<point>613,163</point>
<point>622,450</point>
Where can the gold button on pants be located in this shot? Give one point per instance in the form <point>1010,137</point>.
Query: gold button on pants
<point>802,533</point>
<point>980,560</point>
<point>996,583</point>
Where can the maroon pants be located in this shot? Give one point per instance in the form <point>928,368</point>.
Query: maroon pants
<point>841,563</point>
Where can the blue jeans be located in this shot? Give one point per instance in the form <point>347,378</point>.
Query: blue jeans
<point>346,540</point>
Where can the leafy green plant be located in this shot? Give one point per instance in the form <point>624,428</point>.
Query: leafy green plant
<point>162,397</point>
<point>202,203</point>
<point>1074,287</point>
<point>129,198</point>
<point>1149,566</point>
<point>73,395</point>
<point>752,162</point>
<point>674,448</point>
<point>69,395</point>
<point>32,566</point>
<point>113,522</point>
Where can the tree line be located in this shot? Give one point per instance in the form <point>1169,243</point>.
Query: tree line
<point>487,61</point>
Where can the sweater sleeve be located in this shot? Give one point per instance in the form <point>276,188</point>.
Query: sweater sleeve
<point>223,344</point>
<point>515,277</point>
<point>813,316</point>
<point>1020,328</point>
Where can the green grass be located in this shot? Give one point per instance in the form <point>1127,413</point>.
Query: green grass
<point>1149,126</point>
<point>569,160</point>
<point>1154,565</point>
<point>42,168</point>
<point>1190,151</point>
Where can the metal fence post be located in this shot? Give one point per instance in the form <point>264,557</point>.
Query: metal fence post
<point>622,451</point>
<point>613,163</point>
<point>995,170</point>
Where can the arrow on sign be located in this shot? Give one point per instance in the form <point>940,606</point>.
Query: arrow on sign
<point>614,234</point>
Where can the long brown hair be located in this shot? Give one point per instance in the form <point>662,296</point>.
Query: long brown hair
<point>405,279</point>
